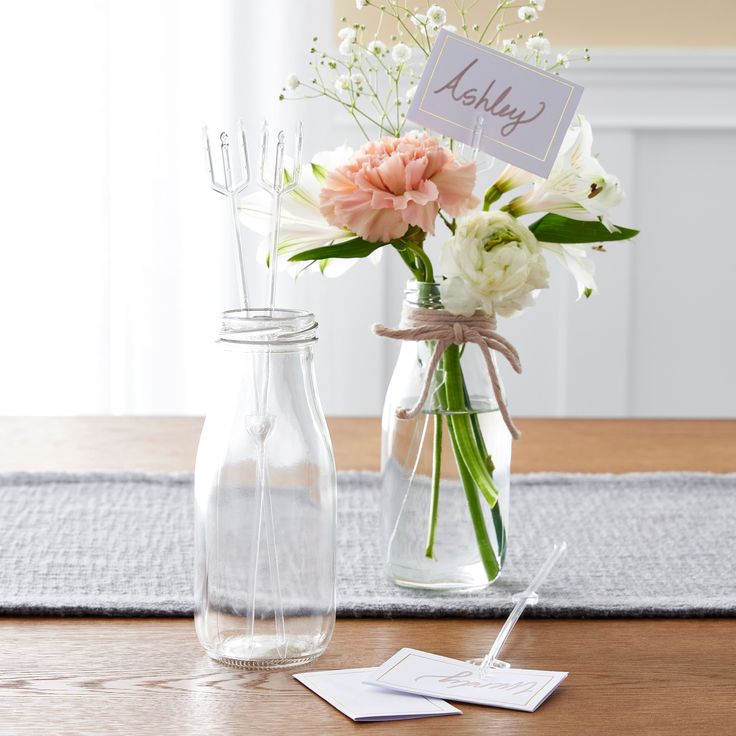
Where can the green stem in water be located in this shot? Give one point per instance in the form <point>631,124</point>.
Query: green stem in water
<point>498,524</point>
<point>485,548</point>
<point>464,446</point>
<point>436,468</point>
<point>474,461</point>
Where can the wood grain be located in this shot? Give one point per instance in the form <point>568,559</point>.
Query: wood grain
<point>149,676</point>
<point>566,445</point>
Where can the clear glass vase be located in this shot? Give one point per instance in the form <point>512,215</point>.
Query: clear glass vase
<point>445,473</point>
<point>265,498</point>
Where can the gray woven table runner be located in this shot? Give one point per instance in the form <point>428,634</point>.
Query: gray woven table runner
<point>655,544</point>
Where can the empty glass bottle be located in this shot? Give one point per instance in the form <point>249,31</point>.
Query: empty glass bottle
<point>265,498</point>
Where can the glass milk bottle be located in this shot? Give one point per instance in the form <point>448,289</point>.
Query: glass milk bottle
<point>440,532</point>
<point>265,498</point>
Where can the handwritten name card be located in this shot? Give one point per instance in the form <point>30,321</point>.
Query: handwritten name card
<point>422,673</point>
<point>526,111</point>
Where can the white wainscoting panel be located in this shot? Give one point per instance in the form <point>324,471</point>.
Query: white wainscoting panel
<point>683,351</point>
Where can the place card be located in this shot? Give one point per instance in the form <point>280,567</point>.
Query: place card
<point>347,691</point>
<point>421,673</point>
<point>526,111</point>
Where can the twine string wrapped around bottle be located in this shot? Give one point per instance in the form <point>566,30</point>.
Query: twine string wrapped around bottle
<point>448,329</point>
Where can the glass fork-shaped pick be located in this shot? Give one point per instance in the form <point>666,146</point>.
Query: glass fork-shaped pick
<point>231,188</point>
<point>282,182</point>
<point>522,599</point>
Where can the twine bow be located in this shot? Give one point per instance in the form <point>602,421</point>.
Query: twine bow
<point>452,329</point>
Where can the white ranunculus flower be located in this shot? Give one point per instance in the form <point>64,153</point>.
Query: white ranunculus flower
<point>527,14</point>
<point>302,225</point>
<point>493,263</point>
<point>577,187</point>
<point>401,53</point>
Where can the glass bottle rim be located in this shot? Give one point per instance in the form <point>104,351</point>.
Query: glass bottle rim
<point>264,326</point>
<point>425,294</point>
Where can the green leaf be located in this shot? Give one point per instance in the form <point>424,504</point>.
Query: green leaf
<point>355,248</point>
<point>588,292</point>
<point>557,229</point>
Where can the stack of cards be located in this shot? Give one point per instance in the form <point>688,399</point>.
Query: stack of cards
<point>413,684</point>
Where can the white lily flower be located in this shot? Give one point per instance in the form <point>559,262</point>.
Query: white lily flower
<point>302,225</point>
<point>577,187</point>
<point>576,259</point>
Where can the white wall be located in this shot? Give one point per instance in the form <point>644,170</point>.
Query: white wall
<point>114,269</point>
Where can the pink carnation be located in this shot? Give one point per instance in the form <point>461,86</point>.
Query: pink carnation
<point>393,183</point>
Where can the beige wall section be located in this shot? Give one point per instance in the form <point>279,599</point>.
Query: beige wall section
<point>608,23</point>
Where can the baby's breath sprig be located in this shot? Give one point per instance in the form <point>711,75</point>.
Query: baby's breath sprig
<point>375,81</point>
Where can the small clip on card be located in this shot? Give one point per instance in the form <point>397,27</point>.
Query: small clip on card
<point>522,599</point>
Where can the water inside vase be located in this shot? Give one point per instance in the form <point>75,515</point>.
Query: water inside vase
<point>453,562</point>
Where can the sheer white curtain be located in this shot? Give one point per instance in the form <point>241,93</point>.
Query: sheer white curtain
<point>116,258</point>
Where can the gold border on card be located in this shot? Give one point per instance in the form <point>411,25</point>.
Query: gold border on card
<point>541,73</point>
<point>449,696</point>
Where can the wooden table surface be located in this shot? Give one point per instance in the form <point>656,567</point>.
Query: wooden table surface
<point>149,676</point>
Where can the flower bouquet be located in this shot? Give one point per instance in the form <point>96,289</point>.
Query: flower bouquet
<point>446,430</point>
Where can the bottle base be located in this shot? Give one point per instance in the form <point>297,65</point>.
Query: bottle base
<point>463,580</point>
<point>264,652</point>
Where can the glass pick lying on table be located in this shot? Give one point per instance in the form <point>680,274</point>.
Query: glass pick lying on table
<point>528,596</point>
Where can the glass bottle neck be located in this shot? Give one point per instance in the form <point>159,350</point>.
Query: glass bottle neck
<point>425,295</point>
<point>281,329</point>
